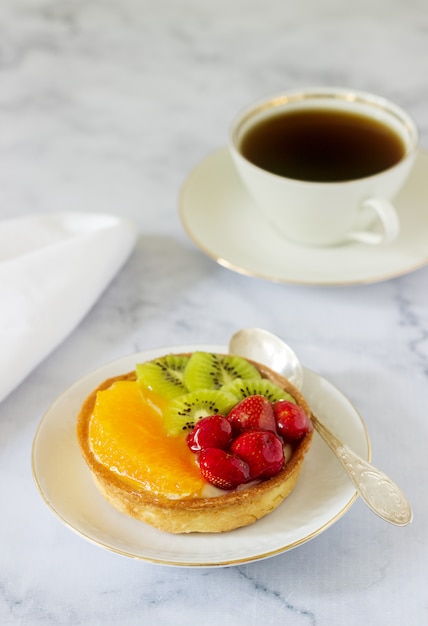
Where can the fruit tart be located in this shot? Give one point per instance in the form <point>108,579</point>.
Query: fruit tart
<point>198,442</point>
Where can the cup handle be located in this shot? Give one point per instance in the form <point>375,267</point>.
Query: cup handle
<point>386,216</point>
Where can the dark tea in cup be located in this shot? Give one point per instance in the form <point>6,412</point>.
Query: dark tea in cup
<point>323,164</point>
<point>322,145</point>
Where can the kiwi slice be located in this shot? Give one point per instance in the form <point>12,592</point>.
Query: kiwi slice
<point>183,412</point>
<point>164,375</point>
<point>206,370</point>
<point>264,387</point>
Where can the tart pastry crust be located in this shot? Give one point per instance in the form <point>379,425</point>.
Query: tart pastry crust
<point>234,509</point>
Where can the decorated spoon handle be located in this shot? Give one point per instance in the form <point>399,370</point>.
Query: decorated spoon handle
<point>377,490</point>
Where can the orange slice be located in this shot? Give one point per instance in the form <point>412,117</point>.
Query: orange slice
<point>126,434</point>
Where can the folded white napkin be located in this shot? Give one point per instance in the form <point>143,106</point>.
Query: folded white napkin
<point>53,267</point>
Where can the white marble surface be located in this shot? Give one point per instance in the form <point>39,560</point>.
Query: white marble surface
<point>106,105</point>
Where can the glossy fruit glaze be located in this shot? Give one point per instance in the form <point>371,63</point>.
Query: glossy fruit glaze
<point>127,436</point>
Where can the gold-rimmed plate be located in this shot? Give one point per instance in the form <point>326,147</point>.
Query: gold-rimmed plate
<point>322,495</point>
<point>222,220</point>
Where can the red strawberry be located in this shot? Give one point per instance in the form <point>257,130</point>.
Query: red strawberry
<point>222,469</point>
<point>291,420</point>
<point>252,413</point>
<point>262,450</point>
<point>213,431</point>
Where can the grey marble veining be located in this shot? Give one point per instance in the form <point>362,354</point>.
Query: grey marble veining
<point>106,106</point>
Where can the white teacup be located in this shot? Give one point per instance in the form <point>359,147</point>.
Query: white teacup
<point>326,205</point>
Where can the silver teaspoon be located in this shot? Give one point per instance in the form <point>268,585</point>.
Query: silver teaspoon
<point>376,489</point>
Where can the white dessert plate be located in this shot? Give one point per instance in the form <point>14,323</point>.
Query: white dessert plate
<point>322,495</point>
<point>222,220</point>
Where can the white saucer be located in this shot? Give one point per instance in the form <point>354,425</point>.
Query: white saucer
<point>322,495</point>
<point>220,217</point>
